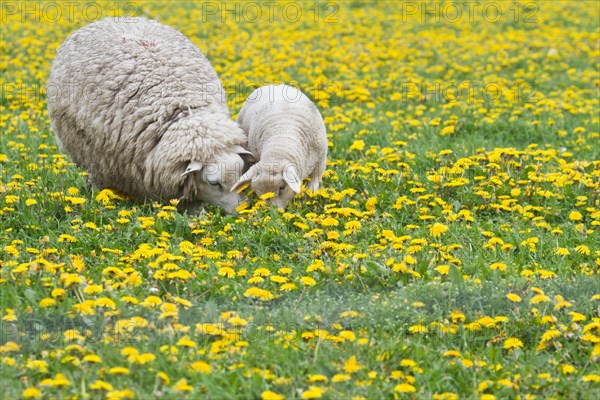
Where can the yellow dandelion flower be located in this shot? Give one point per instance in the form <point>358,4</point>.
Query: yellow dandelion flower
<point>39,365</point>
<point>130,299</point>
<point>550,334</point>
<point>514,297</point>
<point>452,353</point>
<point>405,388</point>
<point>583,249</point>
<point>286,287</point>
<point>575,216</point>
<point>539,298</point>
<point>201,366</point>
<point>279,279</point>
<point>312,378</point>
<point>120,394</point>
<point>47,302</point>
<point>591,378</point>
<point>227,272</point>
<point>259,293</point>
<point>100,385</point>
<point>152,302</point>
<point>577,317</point>
<point>351,366</point>
<point>443,269</point>
<point>330,221</point>
<point>141,359</point>
<point>92,358</point>
<point>67,238</point>
<point>340,378</point>
<point>210,329</point>
<point>313,392</point>
<point>567,369</point>
<point>308,281</point>
<point>75,200</point>
<point>59,380</point>
<point>31,393</point>
<point>118,371</point>
<point>186,342</point>
<point>164,378</point>
<point>437,230</point>
<point>513,343</point>
<point>410,260</point>
<point>237,321</point>
<point>499,266</point>
<point>128,351</point>
<point>418,329</point>
<point>106,196</point>
<point>448,130</point>
<point>268,195</point>
<point>358,145</point>
<point>182,386</point>
<point>261,272</point>
<point>269,395</point>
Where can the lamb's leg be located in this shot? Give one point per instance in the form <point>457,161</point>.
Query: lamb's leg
<point>315,176</point>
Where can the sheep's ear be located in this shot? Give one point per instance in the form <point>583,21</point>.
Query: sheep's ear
<point>290,176</point>
<point>247,177</point>
<point>245,154</point>
<point>193,166</point>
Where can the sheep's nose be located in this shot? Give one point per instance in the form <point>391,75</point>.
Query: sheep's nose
<point>233,209</point>
<point>279,203</point>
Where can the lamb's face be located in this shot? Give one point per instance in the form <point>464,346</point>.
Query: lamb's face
<point>214,180</point>
<point>273,183</point>
<point>282,182</point>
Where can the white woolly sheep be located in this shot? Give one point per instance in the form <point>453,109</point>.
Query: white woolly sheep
<point>287,134</point>
<point>138,106</point>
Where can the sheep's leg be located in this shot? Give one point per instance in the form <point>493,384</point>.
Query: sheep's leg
<point>315,176</point>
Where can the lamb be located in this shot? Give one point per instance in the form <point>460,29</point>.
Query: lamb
<point>287,134</point>
<point>138,106</point>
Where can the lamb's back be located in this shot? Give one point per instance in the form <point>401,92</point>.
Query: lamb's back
<point>276,113</point>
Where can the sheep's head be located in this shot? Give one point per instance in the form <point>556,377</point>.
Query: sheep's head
<point>264,177</point>
<point>212,182</point>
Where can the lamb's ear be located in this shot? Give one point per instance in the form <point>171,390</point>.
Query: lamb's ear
<point>245,154</point>
<point>193,166</point>
<point>290,176</point>
<point>247,177</point>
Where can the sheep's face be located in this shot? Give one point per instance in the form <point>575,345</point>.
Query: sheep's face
<point>212,181</point>
<point>282,182</point>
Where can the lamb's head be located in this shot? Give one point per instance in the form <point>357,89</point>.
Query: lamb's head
<point>212,182</point>
<point>279,178</point>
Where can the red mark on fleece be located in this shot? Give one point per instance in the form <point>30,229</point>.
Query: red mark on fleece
<point>147,43</point>
<point>141,42</point>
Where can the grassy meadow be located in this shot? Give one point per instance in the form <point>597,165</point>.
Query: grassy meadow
<point>453,251</point>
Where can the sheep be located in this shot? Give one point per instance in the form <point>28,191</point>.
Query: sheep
<point>287,134</point>
<point>138,106</point>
